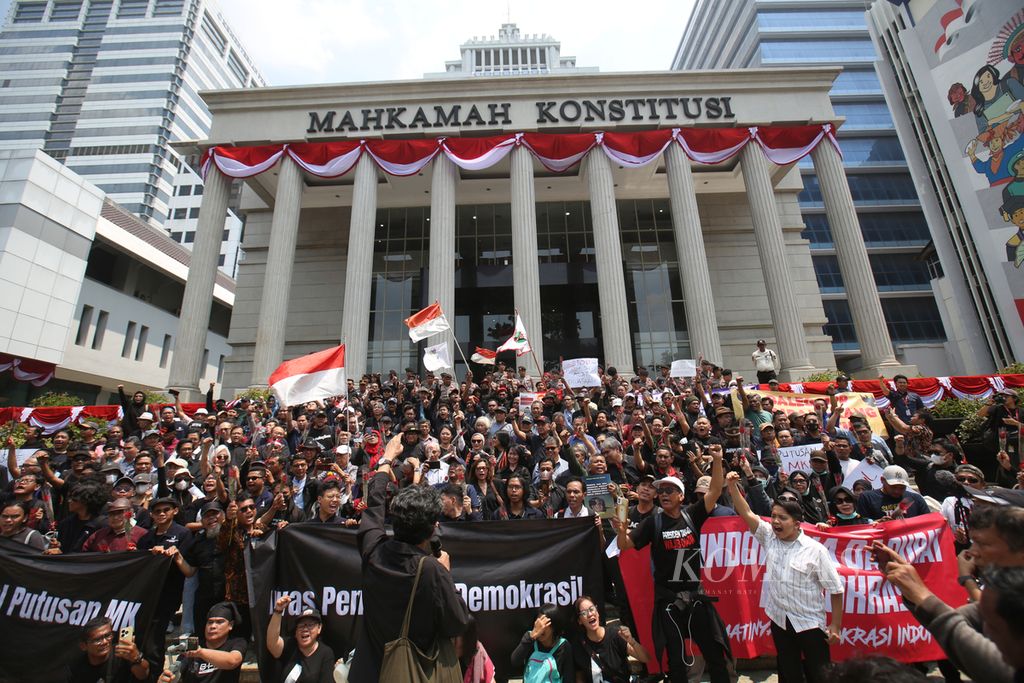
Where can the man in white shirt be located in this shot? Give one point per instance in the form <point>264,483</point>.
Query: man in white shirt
<point>765,362</point>
<point>574,491</point>
<point>798,573</point>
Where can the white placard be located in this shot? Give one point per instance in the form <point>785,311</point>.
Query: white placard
<point>526,398</point>
<point>686,367</point>
<point>793,458</point>
<point>581,372</point>
<point>865,470</point>
<point>23,454</point>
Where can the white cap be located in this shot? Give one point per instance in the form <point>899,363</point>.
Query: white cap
<point>894,475</point>
<point>202,411</point>
<point>342,449</point>
<point>671,480</point>
<point>178,462</point>
<point>616,402</point>
<point>146,416</point>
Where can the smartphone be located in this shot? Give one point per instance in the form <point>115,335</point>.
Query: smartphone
<point>433,464</point>
<point>127,633</point>
<point>192,644</point>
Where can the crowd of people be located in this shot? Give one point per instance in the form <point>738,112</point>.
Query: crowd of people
<point>198,487</point>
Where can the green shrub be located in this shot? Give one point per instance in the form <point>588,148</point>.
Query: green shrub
<point>1015,368</point>
<point>254,393</point>
<point>956,408</point>
<point>55,398</point>
<point>821,376</point>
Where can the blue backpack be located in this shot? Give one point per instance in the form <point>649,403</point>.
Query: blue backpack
<point>541,667</point>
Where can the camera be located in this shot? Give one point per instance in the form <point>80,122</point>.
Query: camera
<point>999,399</point>
<point>188,644</point>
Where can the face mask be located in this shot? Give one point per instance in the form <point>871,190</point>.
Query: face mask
<point>111,478</point>
<point>938,459</point>
<point>141,489</point>
<point>181,485</point>
<point>852,515</point>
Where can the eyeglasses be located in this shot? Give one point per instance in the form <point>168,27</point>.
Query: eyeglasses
<point>308,626</point>
<point>246,508</point>
<point>667,490</point>
<point>588,611</point>
<point>968,480</point>
<point>842,501</point>
<point>787,499</point>
<point>102,639</point>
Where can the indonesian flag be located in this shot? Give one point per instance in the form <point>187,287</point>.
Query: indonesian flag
<point>518,341</point>
<point>436,357</point>
<point>484,356</point>
<point>310,378</point>
<point>429,321</point>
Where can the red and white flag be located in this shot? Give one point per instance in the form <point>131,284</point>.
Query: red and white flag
<point>310,378</point>
<point>484,356</point>
<point>429,321</point>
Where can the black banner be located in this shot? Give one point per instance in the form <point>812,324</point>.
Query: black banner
<point>504,571</point>
<point>46,599</point>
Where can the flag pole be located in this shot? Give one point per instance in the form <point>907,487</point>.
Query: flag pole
<point>456,341</point>
<point>540,370</point>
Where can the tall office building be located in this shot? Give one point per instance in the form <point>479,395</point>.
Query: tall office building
<point>763,33</point>
<point>105,86</point>
<point>510,54</point>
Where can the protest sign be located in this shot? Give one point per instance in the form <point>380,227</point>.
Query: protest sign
<point>581,372</point>
<point>597,497</point>
<point>875,620</point>
<point>853,404</point>
<point>23,454</point>
<point>865,470</point>
<point>686,367</point>
<point>504,570</point>
<point>793,458</point>
<point>46,599</point>
<point>526,398</point>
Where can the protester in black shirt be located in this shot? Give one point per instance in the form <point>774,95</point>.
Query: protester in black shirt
<point>220,659</point>
<point>389,567</point>
<point>168,538</point>
<point>85,501</point>
<point>208,561</point>
<point>306,659</point>
<point>681,607</point>
<point>105,658</point>
<point>602,651</point>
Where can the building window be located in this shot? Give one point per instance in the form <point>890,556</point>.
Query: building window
<point>839,325</point>
<point>190,237</point>
<point>653,288</point>
<point>129,339</point>
<point>214,34</point>
<point>101,329</point>
<point>205,363</point>
<point>165,350</point>
<point>84,321</point>
<point>854,50</point>
<point>914,320</point>
<point>193,212</point>
<point>180,213</point>
<point>858,152</point>
<point>168,8</point>
<point>864,115</point>
<point>856,83</point>
<point>66,11</point>
<point>826,269</point>
<point>866,189</point>
<point>176,236</point>
<point>140,348</point>
<point>225,235</point>
<point>884,229</point>
<point>220,369</point>
<point>133,9</point>
<point>899,272</point>
<point>184,190</point>
<point>220,260</point>
<point>800,20</point>
<point>29,12</point>
<point>235,64</point>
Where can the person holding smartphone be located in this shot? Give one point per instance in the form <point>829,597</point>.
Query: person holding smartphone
<point>220,659</point>
<point>107,657</point>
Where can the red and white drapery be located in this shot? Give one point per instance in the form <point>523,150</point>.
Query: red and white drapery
<point>558,152</point>
<point>27,370</point>
<point>930,389</point>
<point>53,418</point>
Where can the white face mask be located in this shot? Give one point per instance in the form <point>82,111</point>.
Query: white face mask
<point>142,489</point>
<point>181,485</point>
<point>111,478</point>
<point>938,459</point>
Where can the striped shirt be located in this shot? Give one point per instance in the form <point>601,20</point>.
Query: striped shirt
<point>798,573</point>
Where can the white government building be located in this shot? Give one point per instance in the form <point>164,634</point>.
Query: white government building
<point>634,263</point>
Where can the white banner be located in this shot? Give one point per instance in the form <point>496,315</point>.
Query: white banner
<point>436,357</point>
<point>865,470</point>
<point>581,372</point>
<point>686,367</point>
<point>793,458</point>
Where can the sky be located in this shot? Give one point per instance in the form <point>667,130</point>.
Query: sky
<point>334,41</point>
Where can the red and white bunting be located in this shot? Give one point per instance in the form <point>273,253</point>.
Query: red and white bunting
<point>558,152</point>
<point>311,377</point>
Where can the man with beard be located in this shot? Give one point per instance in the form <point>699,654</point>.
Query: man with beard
<point>208,561</point>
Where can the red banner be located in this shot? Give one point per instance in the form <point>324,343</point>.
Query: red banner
<point>875,620</point>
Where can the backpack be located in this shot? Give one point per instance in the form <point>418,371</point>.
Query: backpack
<point>541,667</point>
<point>403,662</point>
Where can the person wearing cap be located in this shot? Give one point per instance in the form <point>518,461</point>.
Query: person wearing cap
<point>208,561</point>
<point>170,539</point>
<point>956,507</point>
<point>119,534</point>
<point>305,658</point>
<point>894,500</point>
<point>681,608</point>
<point>799,574</point>
<point>220,658</point>
<point>644,506</point>
<point>389,568</point>
<point>933,474</point>
<point>766,363</point>
<point>700,490</point>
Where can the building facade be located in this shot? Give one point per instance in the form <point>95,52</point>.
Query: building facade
<point>766,33</point>
<point>510,54</point>
<point>105,86</point>
<point>942,70</point>
<point>91,288</point>
<point>632,263</point>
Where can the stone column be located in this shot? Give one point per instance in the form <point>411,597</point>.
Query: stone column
<point>525,265</point>
<point>441,265</point>
<point>611,283</point>
<point>771,248</point>
<point>872,332</point>
<point>277,277</point>
<point>701,322</point>
<point>194,320</point>
<point>355,316</point>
